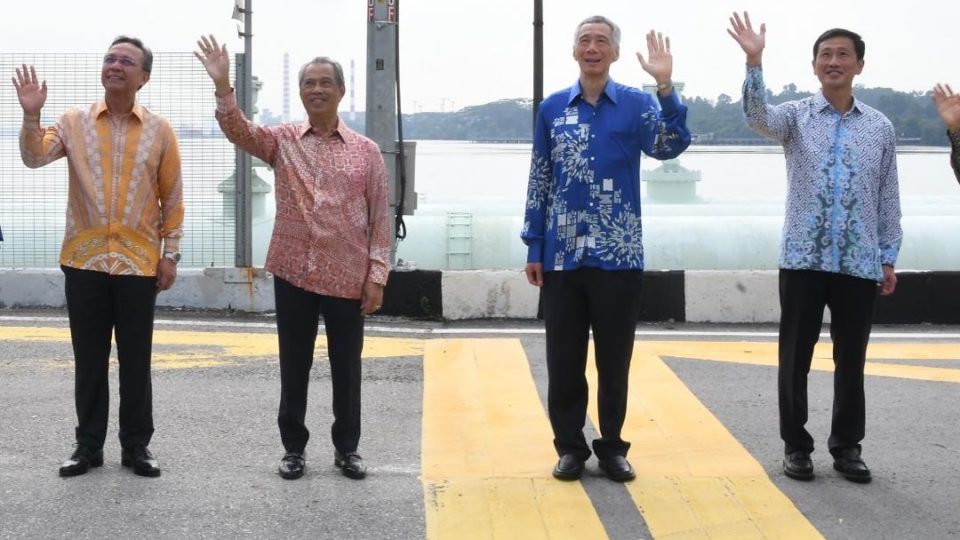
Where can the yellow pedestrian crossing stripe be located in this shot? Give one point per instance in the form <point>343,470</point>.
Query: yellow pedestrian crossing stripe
<point>486,452</point>
<point>694,479</point>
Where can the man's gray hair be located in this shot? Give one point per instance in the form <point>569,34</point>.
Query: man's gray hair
<point>320,60</point>
<point>615,30</point>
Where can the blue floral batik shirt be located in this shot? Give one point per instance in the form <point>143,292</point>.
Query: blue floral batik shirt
<point>843,200</point>
<point>583,197</point>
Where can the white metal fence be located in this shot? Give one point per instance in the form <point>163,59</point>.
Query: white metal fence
<point>33,201</point>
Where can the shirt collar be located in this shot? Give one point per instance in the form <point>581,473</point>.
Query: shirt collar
<point>345,133</point>
<point>101,107</point>
<point>820,104</point>
<point>610,90</point>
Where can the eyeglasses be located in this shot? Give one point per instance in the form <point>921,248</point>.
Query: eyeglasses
<point>125,61</point>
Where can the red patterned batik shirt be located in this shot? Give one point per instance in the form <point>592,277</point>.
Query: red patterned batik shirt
<point>332,230</point>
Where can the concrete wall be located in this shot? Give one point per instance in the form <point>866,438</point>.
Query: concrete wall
<point>695,296</point>
<point>481,294</point>
<point>734,297</point>
<point>242,289</point>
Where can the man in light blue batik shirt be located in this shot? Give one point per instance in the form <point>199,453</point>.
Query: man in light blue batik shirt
<point>841,236</point>
<point>583,231</point>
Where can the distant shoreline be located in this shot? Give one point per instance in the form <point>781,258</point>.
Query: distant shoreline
<point>695,148</point>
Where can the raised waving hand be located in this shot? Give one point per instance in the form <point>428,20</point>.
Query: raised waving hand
<point>216,61</point>
<point>750,41</point>
<point>32,94</point>
<point>659,62</point>
<point>948,105</point>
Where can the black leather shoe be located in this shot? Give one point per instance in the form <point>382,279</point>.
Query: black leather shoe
<point>80,461</point>
<point>351,464</point>
<point>142,461</point>
<point>797,465</point>
<point>618,469</point>
<point>291,466</point>
<point>851,465</point>
<point>570,467</point>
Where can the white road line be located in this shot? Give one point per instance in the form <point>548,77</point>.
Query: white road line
<point>438,331</point>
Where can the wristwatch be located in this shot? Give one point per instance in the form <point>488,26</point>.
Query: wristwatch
<point>172,255</point>
<point>664,85</point>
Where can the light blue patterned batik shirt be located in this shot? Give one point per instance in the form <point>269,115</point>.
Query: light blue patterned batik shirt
<point>583,196</point>
<point>843,200</point>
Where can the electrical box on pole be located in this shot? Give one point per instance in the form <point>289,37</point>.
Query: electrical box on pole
<point>382,107</point>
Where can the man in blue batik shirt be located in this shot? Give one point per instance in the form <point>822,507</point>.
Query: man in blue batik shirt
<point>841,236</point>
<point>583,231</point>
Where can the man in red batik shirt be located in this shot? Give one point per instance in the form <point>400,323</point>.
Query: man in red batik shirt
<point>330,247</point>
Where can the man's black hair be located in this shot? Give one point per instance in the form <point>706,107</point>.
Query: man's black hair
<point>858,43</point>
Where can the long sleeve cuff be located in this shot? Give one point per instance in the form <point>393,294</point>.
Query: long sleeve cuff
<point>888,255</point>
<point>954,137</point>
<point>378,273</point>
<point>535,251</point>
<point>227,102</point>
<point>670,103</point>
<point>171,245</point>
<point>753,80</point>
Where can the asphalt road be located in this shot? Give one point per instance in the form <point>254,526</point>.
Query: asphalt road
<point>216,390</point>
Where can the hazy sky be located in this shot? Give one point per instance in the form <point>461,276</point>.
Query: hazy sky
<point>458,53</point>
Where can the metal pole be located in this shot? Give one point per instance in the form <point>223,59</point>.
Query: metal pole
<point>381,119</point>
<point>244,201</point>
<point>537,56</point>
<point>537,90</point>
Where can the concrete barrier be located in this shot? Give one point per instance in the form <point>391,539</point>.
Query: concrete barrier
<point>731,297</point>
<point>693,296</point>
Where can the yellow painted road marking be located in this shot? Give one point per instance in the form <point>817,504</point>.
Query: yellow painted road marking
<point>210,349</point>
<point>242,344</point>
<point>694,479</point>
<point>486,449</point>
<point>765,354</point>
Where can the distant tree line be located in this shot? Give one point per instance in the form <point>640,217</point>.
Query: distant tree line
<point>719,121</point>
<point>913,114</point>
<point>505,120</point>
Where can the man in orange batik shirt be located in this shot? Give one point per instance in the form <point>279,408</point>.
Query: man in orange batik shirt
<point>121,244</point>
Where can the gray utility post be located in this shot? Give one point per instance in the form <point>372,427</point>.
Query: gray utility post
<point>381,117</point>
<point>243,239</point>
<point>537,57</point>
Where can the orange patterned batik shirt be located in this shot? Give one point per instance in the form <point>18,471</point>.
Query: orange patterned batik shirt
<point>332,231</point>
<point>125,198</point>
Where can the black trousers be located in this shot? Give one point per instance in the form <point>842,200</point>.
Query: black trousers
<point>298,313</point>
<point>574,302</point>
<point>99,304</point>
<point>803,295</point>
